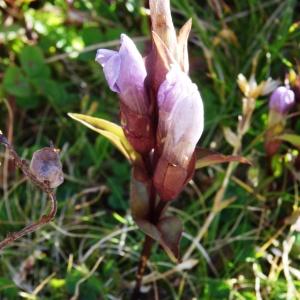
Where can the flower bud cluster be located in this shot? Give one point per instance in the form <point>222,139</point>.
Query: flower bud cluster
<point>161,109</point>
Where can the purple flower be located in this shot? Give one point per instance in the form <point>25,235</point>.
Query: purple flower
<point>181,117</point>
<point>282,100</point>
<point>125,73</point>
<point>180,126</point>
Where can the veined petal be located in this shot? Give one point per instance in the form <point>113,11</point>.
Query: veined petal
<point>282,99</point>
<point>181,117</point>
<point>133,71</point>
<point>111,63</point>
<point>176,86</point>
<point>125,73</point>
<point>185,129</point>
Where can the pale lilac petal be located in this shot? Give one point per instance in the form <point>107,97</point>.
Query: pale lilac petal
<point>111,63</point>
<point>125,73</point>
<point>103,55</point>
<point>133,70</point>
<point>282,100</point>
<point>181,117</point>
<point>174,87</point>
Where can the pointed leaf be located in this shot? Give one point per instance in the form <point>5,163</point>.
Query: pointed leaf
<point>294,139</point>
<point>231,137</point>
<point>167,233</point>
<point>139,199</point>
<point>171,231</point>
<point>182,45</point>
<point>149,229</point>
<point>168,230</point>
<point>163,51</point>
<point>206,157</point>
<point>111,131</point>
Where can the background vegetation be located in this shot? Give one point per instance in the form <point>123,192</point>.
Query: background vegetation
<point>91,250</point>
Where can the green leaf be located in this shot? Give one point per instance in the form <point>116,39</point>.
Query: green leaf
<point>291,138</point>
<point>8,289</point>
<point>28,102</point>
<point>54,91</point>
<point>15,83</point>
<point>33,62</point>
<point>89,289</point>
<point>90,35</point>
<point>111,131</point>
<point>207,157</point>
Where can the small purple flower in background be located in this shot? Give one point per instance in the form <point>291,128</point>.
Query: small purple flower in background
<point>282,100</point>
<point>280,103</point>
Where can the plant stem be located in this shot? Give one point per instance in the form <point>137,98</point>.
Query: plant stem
<point>148,243</point>
<point>146,252</point>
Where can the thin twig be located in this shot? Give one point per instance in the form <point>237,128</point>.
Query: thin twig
<point>154,217</point>
<point>147,247</point>
<point>44,186</point>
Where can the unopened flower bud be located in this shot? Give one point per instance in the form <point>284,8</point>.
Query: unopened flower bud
<point>46,166</point>
<point>282,100</point>
<point>180,126</point>
<point>162,24</point>
<point>168,46</point>
<point>125,73</point>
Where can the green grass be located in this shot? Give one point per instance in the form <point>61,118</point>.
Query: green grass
<point>93,219</point>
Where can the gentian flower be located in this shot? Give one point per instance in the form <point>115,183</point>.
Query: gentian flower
<point>280,103</point>
<point>125,73</point>
<point>180,126</point>
<point>158,95</point>
<point>282,100</point>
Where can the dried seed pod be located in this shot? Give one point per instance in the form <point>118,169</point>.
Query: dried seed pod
<point>46,166</point>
